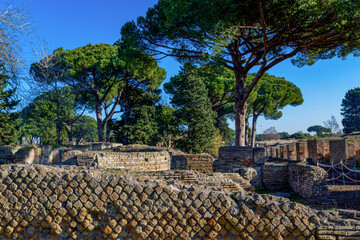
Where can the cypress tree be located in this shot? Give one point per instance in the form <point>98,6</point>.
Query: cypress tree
<point>193,110</point>
<point>351,110</point>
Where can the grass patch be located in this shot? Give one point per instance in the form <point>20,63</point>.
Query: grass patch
<point>296,197</point>
<point>114,171</point>
<point>293,196</point>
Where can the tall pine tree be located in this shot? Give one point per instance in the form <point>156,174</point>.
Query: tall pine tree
<point>193,110</point>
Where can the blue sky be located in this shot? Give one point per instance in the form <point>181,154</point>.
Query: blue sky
<point>70,24</point>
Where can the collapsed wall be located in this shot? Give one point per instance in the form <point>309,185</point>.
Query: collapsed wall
<point>49,202</point>
<point>305,180</point>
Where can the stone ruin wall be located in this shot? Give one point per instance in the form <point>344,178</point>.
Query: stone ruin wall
<point>133,161</point>
<point>49,202</point>
<point>308,181</point>
<point>275,177</point>
<point>302,151</point>
<point>321,150</point>
<point>202,163</point>
<point>291,151</point>
<point>347,150</point>
<point>232,158</point>
<point>305,180</point>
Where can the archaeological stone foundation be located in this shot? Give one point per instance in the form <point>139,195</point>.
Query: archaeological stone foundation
<point>38,201</point>
<point>110,191</point>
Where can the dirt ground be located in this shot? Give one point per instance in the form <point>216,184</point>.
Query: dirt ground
<point>346,196</point>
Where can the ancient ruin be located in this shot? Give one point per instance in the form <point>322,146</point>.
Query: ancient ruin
<point>120,192</point>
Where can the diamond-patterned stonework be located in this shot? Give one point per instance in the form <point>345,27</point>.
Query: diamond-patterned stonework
<point>43,202</point>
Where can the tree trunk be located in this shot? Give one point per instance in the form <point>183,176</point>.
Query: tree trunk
<point>99,121</point>
<point>240,108</point>
<point>107,137</point>
<point>247,132</point>
<point>69,132</point>
<point>253,132</point>
<point>58,122</point>
<point>107,132</point>
<point>126,113</point>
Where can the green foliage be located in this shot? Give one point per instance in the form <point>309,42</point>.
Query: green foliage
<point>274,93</point>
<point>8,125</point>
<point>41,116</point>
<point>193,111</point>
<point>144,128</point>
<point>103,73</point>
<point>167,125</point>
<point>246,35</point>
<point>301,135</point>
<point>85,129</point>
<point>139,121</point>
<point>350,110</point>
<point>284,135</point>
<point>320,130</point>
<point>220,83</point>
<point>228,134</point>
<point>194,27</point>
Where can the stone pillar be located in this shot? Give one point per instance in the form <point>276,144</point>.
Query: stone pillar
<point>274,151</point>
<point>301,151</point>
<point>283,151</point>
<point>291,151</point>
<point>346,150</point>
<point>319,150</point>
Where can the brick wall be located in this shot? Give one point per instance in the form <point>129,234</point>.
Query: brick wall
<point>319,150</point>
<point>134,161</point>
<point>347,150</point>
<point>40,202</point>
<point>275,176</point>
<point>308,181</point>
<point>231,158</point>
<point>198,162</point>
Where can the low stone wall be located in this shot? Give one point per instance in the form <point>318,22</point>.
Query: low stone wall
<point>231,182</point>
<point>198,162</point>
<point>70,157</point>
<point>134,161</point>
<point>231,158</point>
<point>275,176</point>
<point>305,180</point>
<point>33,154</point>
<point>308,181</point>
<point>52,203</point>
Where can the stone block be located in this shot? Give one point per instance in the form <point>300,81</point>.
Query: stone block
<point>301,151</point>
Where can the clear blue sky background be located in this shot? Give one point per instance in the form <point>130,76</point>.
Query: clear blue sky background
<point>74,23</point>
